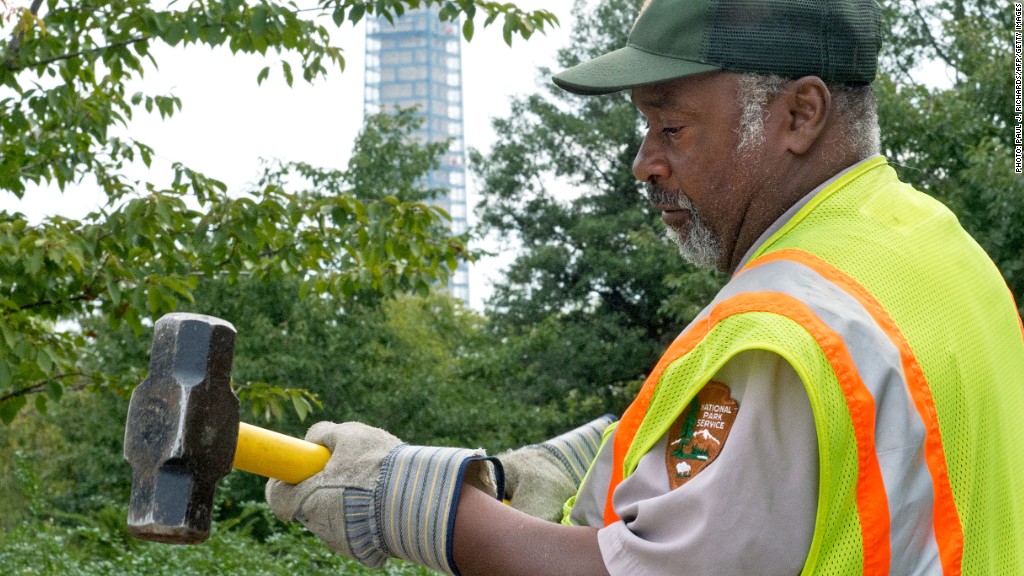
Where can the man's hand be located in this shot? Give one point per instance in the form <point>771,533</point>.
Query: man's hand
<point>378,497</point>
<point>540,478</point>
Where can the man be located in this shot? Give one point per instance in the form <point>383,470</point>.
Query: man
<point>845,405</point>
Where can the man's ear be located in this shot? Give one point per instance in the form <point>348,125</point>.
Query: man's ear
<point>804,109</point>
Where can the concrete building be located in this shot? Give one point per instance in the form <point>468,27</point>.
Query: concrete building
<point>417,61</point>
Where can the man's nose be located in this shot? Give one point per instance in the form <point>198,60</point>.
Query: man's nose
<point>650,161</point>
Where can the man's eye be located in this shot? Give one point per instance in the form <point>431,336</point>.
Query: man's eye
<point>672,130</point>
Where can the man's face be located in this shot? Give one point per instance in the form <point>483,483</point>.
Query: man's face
<point>693,170</point>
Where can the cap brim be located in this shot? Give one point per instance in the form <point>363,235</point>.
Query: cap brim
<point>623,69</point>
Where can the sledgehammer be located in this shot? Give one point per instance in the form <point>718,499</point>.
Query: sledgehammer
<point>183,433</point>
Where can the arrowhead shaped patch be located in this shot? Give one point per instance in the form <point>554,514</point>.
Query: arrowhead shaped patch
<point>699,434</point>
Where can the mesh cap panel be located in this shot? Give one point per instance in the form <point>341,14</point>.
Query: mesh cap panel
<point>795,38</point>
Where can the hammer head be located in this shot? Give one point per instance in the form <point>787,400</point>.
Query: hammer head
<point>182,429</point>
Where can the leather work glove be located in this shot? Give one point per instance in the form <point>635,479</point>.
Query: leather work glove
<point>378,497</point>
<point>540,478</point>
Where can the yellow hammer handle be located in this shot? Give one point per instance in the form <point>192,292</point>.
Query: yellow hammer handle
<point>275,455</point>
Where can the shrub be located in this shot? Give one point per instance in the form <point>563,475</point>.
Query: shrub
<point>99,545</point>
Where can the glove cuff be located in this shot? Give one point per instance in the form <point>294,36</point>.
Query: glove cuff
<point>364,543</point>
<point>577,448</point>
<point>417,498</point>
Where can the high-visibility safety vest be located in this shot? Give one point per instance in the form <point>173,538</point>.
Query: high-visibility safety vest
<point>911,350</point>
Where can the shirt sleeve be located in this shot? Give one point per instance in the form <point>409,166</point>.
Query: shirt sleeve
<point>750,511</point>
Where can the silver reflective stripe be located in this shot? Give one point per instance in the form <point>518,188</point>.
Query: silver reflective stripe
<point>899,431</point>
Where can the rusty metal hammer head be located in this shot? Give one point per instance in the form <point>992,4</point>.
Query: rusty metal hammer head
<point>182,429</point>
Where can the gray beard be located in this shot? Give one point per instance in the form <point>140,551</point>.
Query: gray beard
<point>700,247</point>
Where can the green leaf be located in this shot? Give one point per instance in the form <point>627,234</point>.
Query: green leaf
<point>174,33</point>
<point>55,389</point>
<point>338,15</point>
<point>41,403</point>
<point>154,300</point>
<point>113,289</point>
<point>356,13</point>
<point>10,407</point>
<point>263,75</point>
<point>274,409</point>
<point>5,375</point>
<point>467,30</point>
<point>34,262</point>
<point>448,12</point>
<point>44,360</point>
<point>301,406</point>
<point>287,69</point>
<point>8,332</point>
<point>506,31</point>
<point>179,286</point>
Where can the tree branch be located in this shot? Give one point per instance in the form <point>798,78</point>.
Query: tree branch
<point>41,303</point>
<point>931,39</point>
<point>78,53</point>
<point>37,387</point>
<point>15,44</point>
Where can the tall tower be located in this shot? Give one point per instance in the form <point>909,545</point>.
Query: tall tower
<point>417,61</point>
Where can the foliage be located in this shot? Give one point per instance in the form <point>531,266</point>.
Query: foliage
<point>99,545</point>
<point>65,462</point>
<point>596,293</point>
<point>146,256</point>
<point>955,140</point>
<point>63,77</point>
<point>409,364</point>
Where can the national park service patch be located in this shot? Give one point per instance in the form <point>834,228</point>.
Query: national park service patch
<point>698,435</point>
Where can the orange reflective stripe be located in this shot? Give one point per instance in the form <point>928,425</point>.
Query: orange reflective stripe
<point>1020,321</point>
<point>949,534</point>
<point>872,502</point>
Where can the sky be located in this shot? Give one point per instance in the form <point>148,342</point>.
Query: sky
<point>228,122</point>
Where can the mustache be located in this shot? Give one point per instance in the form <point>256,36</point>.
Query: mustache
<point>661,196</point>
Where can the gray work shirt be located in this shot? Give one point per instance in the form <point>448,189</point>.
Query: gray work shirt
<point>751,511</point>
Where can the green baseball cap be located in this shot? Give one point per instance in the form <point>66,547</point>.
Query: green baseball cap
<point>836,40</point>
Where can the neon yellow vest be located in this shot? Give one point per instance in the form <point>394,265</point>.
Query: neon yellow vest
<point>890,313</point>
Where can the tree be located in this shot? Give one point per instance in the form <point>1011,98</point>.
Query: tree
<point>63,77</point>
<point>596,292</point>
